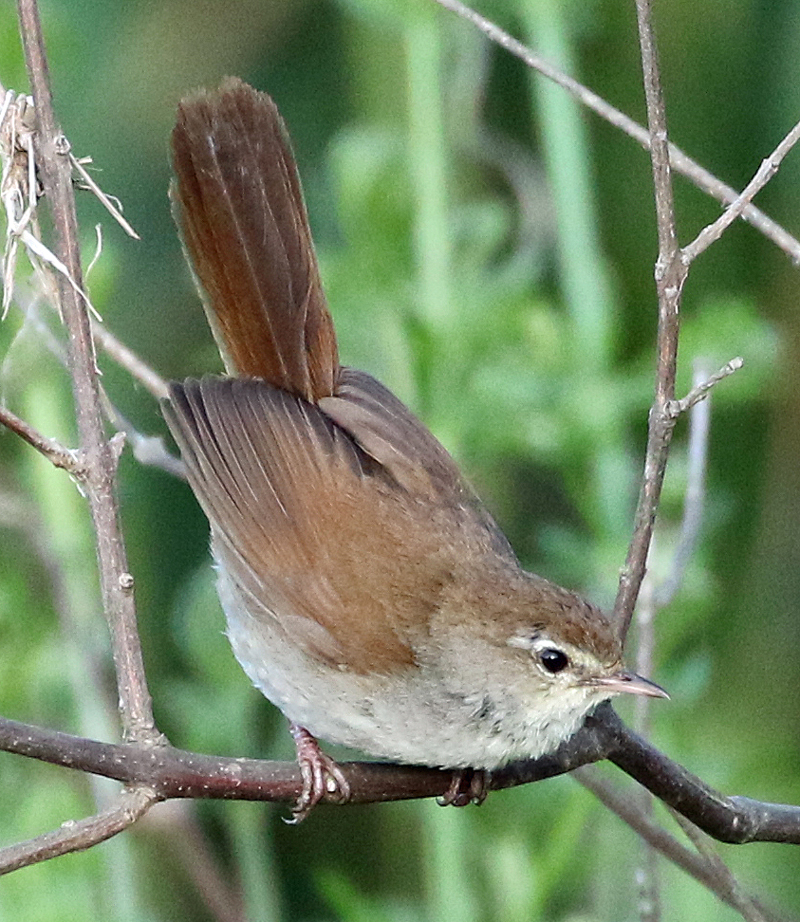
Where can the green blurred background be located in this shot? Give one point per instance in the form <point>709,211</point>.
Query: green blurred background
<point>488,253</point>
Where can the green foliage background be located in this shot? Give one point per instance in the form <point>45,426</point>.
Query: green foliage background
<point>487,250</point>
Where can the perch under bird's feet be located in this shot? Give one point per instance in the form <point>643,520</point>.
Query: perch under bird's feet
<point>468,786</point>
<point>321,775</point>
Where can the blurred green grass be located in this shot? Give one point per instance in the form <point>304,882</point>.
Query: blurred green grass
<point>487,251</point>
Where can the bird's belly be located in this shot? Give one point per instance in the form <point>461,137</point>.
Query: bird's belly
<point>407,717</point>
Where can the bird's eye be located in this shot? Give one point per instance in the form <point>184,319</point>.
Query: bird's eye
<point>553,660</point>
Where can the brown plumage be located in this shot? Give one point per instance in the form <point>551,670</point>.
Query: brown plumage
<point>314,498</point>
<point>368,593</point>
<point>240,206</point>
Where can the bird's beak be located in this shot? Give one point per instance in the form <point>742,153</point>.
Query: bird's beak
<point>629,683</point>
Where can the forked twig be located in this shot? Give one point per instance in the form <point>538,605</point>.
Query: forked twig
<point>670,276</point>
<point>679,161</point>
<point>769,167</point>
<point>701,390</point>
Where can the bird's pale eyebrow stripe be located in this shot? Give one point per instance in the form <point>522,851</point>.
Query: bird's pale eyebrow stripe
<point>524,641</point>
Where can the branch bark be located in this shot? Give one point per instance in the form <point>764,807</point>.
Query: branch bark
<point>679,160</point>
<point>78,835</point>
<point>167,773</point>
<point>670,276</point>
<point>707,869</point>
<point>98,453</point>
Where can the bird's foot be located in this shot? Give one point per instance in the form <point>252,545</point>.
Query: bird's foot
<point>468,786</point>
<point>321,775</point>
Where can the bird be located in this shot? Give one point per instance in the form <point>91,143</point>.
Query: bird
<point>368,592</point>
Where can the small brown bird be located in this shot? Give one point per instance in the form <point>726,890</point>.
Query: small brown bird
<point>368,593</point>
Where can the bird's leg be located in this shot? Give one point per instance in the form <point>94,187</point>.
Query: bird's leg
<point>468,786</point>
<point>321,775</point>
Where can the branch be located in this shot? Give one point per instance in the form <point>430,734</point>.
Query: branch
<point>707,869</point>
<point>679,161</point>
<point>672,265</point>
<point>111,205</point>
<point>769,167</point>
<point>670,276</point>
<point>54,451</point>
<point>55,170</point>
<point>171,773</point>
<point>749,908</point>
<point>77,835</point>
<point>735,820</point>
<point>181,834</point>
<point>147,449</point>
<point>651,599</point>
<point>134,364</point>
<point>701,390</point>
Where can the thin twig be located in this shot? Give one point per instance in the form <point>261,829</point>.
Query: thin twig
<point>645,645</point>
<point>176,824</point>
<point>714,878</point>
<point>747,906</point>
<point>670,276</point>
<point>55,171</point>
<point>694,500</point>
<point>700,390</point>
<point>680,161</point>
<point>646,869</point>
<point>126,358</point>
<point>77,835</point>
<point>104,199</point>
<point>654,597</point>
<point>54,451</point>
<point>147,449</point>
<point>769,167</point>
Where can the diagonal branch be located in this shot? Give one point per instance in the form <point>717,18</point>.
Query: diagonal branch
<point>77,835</point>
<point>56,454</point>
<point>769,167</point>
<point>679,161</point>
<point>701,390</point>
<point>705,868</point>
<point>748,907</point>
